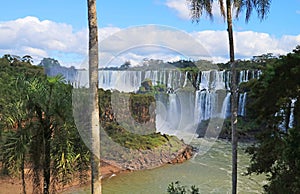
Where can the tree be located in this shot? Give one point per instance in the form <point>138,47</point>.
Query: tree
<point>17,142</point>
<point>49,105</point>
<point>33,105</point>
<point>276,108</point>
<point>94,106</point>
<point>197,8</point>
<point>177,188</point>
<point>126,65</point>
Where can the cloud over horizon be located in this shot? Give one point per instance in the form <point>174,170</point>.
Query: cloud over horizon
<point>31,36</point>
<point>38,38</point>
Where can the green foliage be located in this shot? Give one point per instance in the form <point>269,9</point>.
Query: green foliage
<point>127,134</point>
<point>246,128</point>
<point>148,88</point>
<point>37,127</point>
<point>177,188</point>
<point>126,65</point>
<point>277,152</point>
<point>132,140</point>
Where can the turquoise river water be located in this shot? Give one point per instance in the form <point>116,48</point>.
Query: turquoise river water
<point>210,171</point>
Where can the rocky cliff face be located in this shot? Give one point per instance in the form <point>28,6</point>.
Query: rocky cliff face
<point>135,112</point>
<point>170,153</point>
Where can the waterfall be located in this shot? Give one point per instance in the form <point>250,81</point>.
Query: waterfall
<point>287,120</point>
<point>185,107</point>
<point>244,76</point>
<point>205,80</point>
<point>203,106</point>
<point>173,110</point>
<point>291,119</point>
<point>210,98</point>
<point>219,80</point>
<point>186,78</point>
<point>226,106</point>
<point>125,81</point>
<point>242,104</point>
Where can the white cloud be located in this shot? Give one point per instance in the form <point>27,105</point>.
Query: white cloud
<point>38,38</point>
<point>31,36</point>
<point>44,38</point>
<point>247,43</point>
<point>180,6</point>
<point>151,41</point>
<point>251,43</point>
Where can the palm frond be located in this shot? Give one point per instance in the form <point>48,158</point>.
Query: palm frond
<point>238,5</point>
<point>262,8</point>
<point>222,9</point>
<point>199,7</point>
<point>249,7</point>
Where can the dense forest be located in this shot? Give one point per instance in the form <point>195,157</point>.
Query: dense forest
<point>37,129</point>
<point>273,97</point>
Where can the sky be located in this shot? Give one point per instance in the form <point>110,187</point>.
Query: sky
<point>136,30</point>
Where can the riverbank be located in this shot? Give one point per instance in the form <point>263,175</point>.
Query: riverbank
<point>13,185</point>
<point>110,169</point>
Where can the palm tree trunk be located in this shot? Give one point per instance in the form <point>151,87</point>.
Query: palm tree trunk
<point>47,144</point>
<point>47,160</point>
<point>93,83</point>
<point>23,173</point>
<point>233,97</point>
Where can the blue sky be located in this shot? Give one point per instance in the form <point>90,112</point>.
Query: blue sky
<point>58,28</point>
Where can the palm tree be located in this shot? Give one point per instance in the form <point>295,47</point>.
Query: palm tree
<point>32,106</point>
<point>94,107</point>
<point>17,137</point>
<point>197,8</point>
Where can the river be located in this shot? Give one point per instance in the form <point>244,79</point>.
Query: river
<point>210,171</point>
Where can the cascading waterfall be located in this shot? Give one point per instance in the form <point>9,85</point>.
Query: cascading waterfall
<point>185,79</point>
<point>185,105</point>
<point>291,119</point>
<point>242,104</point>
<point>226,107</point>
<point>204,105</point>
<point>172,111</point>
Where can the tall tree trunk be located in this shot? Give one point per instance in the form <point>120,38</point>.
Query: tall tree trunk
<point>23,173</point>
<point>93,85</point>
<point>233,98</point>
<point>47,159</point>
<point>46,122</point>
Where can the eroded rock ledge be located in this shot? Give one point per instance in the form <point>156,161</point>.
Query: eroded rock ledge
<point>174,151</point>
